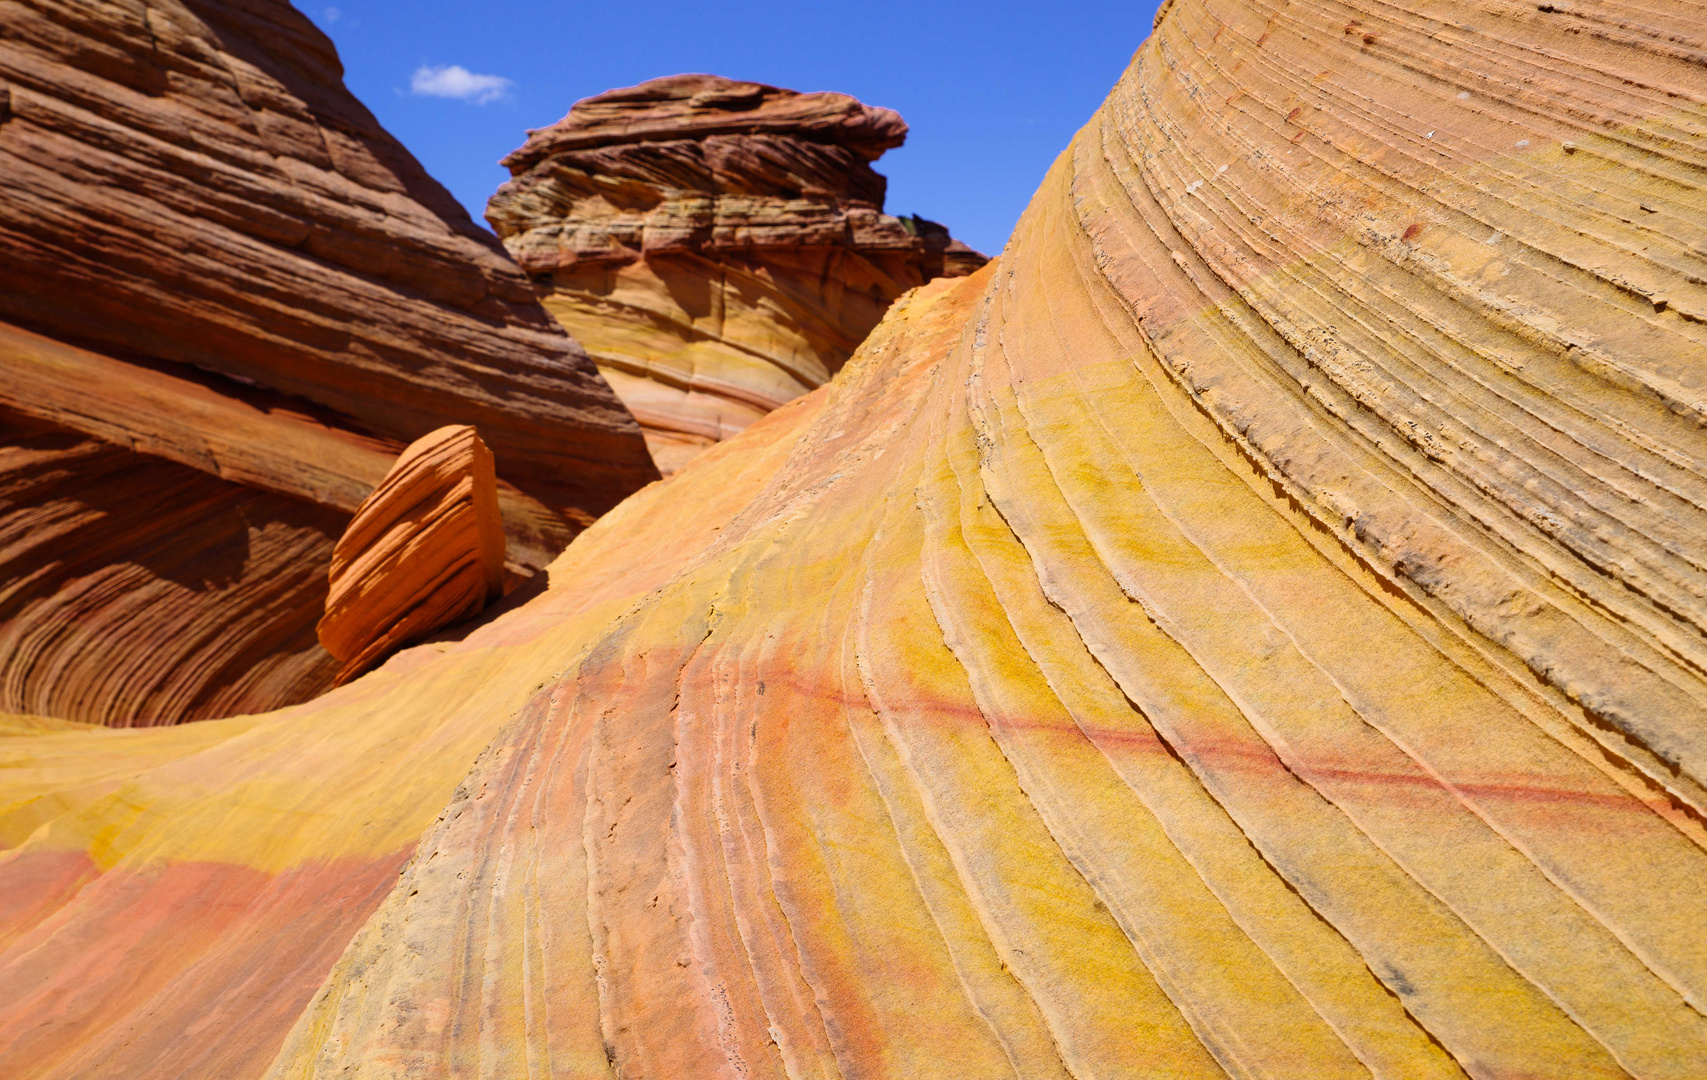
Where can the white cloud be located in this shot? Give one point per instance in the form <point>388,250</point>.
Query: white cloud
<point>331,14</point>
<point>456,81</point>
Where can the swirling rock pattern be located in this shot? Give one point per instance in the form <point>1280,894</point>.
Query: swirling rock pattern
<point>141,591</point>
<point>426,549</point>
<point>216,262</point>
<point>1171,651</point>
<point>718,246</point>
<point>171,898</point>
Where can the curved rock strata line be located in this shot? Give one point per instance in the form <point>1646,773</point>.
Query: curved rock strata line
<point>139,591</point>
<point>1023,702</point>
<point>718,246</point>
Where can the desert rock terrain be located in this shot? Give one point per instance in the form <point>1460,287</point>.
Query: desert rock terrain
<point>1254,627</point>
<point>226,286</point>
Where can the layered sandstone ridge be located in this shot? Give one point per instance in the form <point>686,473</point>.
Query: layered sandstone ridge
<point>426,549</point>
<point>191,181</point>
<point>1246,632</point>
<point>718,246</point>
<point>230,299</point>
<point>229,302</point>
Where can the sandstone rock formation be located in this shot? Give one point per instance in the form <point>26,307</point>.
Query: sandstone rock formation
<point>137,590</point>
<point>719,247</point>
<point>230,299</point>
<point>191,181</point>
<point>425,550</point>
<point>1247,632</point>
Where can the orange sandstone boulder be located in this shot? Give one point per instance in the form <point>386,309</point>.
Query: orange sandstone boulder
<point>426,549</point>
<point>718,246</point>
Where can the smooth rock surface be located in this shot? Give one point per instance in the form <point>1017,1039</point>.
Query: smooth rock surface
<point>425,550</point>
<point>216,262</point>
<point>718,246</point>
<point>1228,637</point>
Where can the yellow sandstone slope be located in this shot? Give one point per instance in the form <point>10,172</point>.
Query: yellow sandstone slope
<point>1253,629</point>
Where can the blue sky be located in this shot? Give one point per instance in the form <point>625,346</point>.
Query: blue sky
<point>992,91</point>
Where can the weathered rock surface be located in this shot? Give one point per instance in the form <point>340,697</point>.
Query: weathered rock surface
<point>1247,632</point>
<point>719,247</point>
<point>426,549</point>
<point>215,261</point>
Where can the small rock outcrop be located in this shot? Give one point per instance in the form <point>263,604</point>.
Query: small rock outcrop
<point>719,247</point>
<point>228,300</point>
<point>425,550</point>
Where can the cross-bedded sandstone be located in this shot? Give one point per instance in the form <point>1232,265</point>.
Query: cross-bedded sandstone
<point>224,282</point>
<point>1254,629</point>
<point>424,550</point>
<point>720,247</point>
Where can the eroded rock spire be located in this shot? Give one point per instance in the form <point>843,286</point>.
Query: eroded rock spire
<point>720,247</point>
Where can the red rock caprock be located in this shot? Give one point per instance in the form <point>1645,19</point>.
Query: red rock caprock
<point>425,550</point>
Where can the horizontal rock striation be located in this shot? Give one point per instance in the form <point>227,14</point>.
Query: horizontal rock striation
<point>1167,652</point>
<point>216,261</point>
<point>241,433</point>
<point>718,246</point>
<point>426,549</point>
